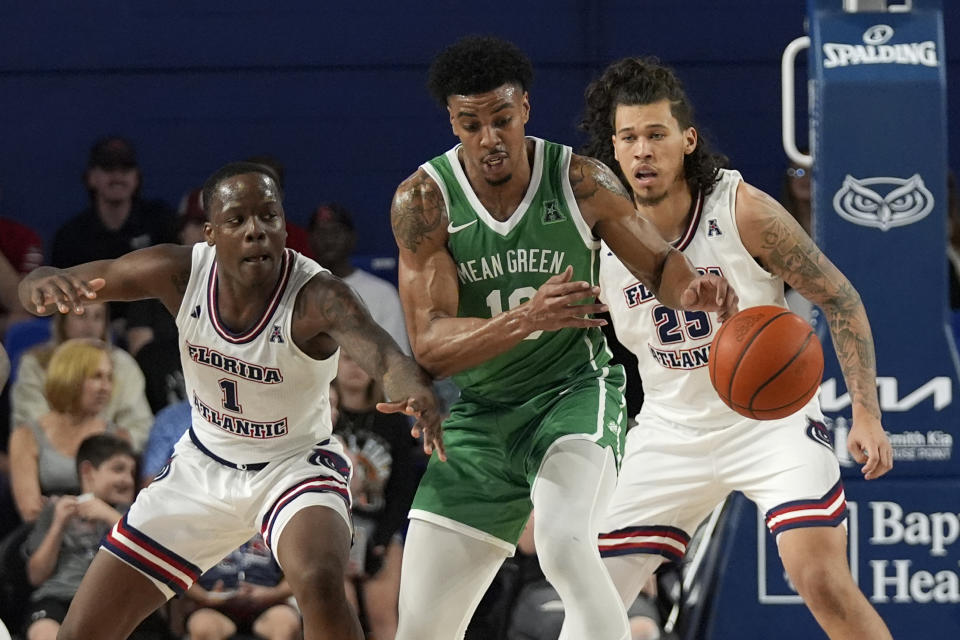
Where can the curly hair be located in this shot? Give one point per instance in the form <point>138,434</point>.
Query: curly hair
<point>640,81</point>
<point>477,64</point>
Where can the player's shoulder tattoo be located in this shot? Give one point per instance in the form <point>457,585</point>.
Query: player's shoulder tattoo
<point>417,210</point>
<point>784,247</point>
<point>589,175</point>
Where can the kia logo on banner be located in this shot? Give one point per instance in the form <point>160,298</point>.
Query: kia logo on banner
<point>875,50</point>
<point>904,202</point>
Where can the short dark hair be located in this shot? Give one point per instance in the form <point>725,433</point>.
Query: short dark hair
<point>639,81</point>
<point>271,162</point>
<point>99,448</point>
<point>477,64</point>
<point>235,169</point>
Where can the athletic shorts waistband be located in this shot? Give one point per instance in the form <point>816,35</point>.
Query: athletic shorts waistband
<point>249,466</point>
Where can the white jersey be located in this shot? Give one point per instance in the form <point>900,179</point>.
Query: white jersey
<point>672,347</point>
<point>255,395</point>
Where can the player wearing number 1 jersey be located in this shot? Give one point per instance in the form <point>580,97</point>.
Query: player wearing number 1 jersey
<point>688,449</point>
<point>498,246</point>
<point>260,329</point>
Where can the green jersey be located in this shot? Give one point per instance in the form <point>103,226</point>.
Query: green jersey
<point>500,265</point>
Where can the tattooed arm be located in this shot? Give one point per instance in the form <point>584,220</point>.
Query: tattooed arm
<point>442,342</point>
<point>777,241</point>
<point>161,271</point>
<point>328,314</point>
<point>608,210</point>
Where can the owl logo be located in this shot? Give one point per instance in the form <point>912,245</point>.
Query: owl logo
<point>907,202</point>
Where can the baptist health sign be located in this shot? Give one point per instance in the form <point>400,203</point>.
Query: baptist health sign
<point>899,554</point>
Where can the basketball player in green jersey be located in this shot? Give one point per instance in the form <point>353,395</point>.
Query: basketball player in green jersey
<point>498,243</point>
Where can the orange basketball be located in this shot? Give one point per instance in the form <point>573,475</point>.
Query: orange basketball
<point>766,362</point>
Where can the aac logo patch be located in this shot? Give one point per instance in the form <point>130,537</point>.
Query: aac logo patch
<point>552,213</point>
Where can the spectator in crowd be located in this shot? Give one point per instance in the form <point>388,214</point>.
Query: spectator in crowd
<point>21,251</point>
<point>68,531</point>
<point>297,237</point>
<point>127,407</point>
<point>384,481</point>
<point>245,593</point>
<point>333,239</point>
<point>118,220</point>
<point>43,450</point>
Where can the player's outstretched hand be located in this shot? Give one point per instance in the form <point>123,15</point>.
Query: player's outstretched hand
<point>555,304</point>
<point>710,293</point>
<point>48,286</point>
<point>870,446</point>
<point>427,424</point>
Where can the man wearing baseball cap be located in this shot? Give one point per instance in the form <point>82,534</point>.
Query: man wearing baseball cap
<point>118,220</point>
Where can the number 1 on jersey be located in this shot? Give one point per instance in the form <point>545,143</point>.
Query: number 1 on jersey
<point>518,297</point>
<point>229,389</point>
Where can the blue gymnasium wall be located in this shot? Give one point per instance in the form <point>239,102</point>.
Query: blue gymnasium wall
<point>336,91</point>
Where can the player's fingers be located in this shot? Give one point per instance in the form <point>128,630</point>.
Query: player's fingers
<point>581,310</point>
<point>93,286</point>
<point>563,276</point>
<point>873,462</point>
<point>731,305</point>
<point>66,292</point>
<point>438,445</point>
<point>690,296</point>
<point>38,300</point>
<point>886,459</point>
<point>570,291</point>
<point>583,323</point>
<point>391,407</point>
<point>855,447</point>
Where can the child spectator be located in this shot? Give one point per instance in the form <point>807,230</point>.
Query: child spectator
<point>68,530</point>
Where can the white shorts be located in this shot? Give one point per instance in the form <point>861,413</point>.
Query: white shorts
<point>199,509</point>
<point>673,476</point>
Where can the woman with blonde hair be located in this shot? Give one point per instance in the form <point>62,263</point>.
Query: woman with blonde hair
<point>127,408</point>
<point>78,386</point>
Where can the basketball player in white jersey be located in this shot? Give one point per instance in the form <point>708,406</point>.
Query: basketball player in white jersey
<point>260,328</point>
<point>689,450</point>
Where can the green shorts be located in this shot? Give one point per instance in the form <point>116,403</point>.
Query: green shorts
<point>494,453</point>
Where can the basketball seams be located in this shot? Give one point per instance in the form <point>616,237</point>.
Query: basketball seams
<point>745,348</point>
<point>786,366</point>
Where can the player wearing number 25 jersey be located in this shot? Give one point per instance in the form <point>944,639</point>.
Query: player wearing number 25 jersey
<point>688,450</point>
